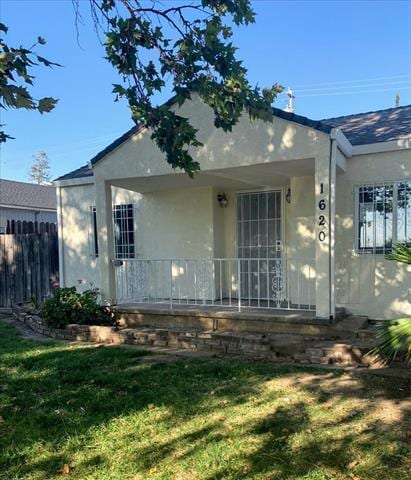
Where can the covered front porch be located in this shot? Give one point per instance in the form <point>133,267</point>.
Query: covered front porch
<point>241,239</point>
<point>253,230</point>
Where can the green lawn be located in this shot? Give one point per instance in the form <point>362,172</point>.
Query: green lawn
<point>108,413</point>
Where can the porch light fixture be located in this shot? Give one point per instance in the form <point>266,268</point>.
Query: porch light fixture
<point>222,200</point>
<point>288,196</point>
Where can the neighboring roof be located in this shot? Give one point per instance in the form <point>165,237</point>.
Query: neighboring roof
<point>360,129</point>
<point>82,172</point>
<point>374,127</point>
<point>27,195</point>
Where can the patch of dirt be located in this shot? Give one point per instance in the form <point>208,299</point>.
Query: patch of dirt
<point>390,402</point>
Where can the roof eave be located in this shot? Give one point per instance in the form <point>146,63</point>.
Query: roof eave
<point>70,182</point>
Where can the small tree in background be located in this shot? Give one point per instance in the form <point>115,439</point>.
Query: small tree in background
<point>40,170</point>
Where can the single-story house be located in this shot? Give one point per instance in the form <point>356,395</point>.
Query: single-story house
<point>27,203</point>
<point>291,214</point>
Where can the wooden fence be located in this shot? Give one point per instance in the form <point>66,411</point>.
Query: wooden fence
<point>21,226</point>
<point>28,267</point>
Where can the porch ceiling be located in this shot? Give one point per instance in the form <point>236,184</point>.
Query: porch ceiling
<point>265,175</point>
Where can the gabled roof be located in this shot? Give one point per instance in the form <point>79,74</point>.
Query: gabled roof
<point>27,195</point>
<point>374,127</point>
<point>360,129</point>
<point>82,172</point>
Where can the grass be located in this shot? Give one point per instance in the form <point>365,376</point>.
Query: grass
<point>109,414</point>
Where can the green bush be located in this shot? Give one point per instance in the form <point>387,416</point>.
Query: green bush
<point>69,306</point>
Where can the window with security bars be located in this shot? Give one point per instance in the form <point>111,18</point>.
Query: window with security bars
<point>124,235</point>
<point>384,216</point>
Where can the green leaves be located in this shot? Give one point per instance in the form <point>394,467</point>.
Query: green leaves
<point>46,104</point>
<point>14,76</point>
<point>394,339</point>
<point>187,46</point>
<point>401,253</point>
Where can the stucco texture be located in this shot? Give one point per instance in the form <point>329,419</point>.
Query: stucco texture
<point>180,218</point>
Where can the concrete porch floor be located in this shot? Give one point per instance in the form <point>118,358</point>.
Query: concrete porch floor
<point>220,318</point>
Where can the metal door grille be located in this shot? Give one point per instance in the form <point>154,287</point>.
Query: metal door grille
<point>259,240</point>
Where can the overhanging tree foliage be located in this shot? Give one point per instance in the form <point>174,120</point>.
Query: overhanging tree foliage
<point>153,45</point>
<point>15,77</point>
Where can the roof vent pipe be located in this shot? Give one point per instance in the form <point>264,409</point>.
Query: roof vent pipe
<point>290,104</point>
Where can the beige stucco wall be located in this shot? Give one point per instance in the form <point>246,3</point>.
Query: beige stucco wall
<point>80,267</point>
<point>78,262</point>
<point>176,224</point>
<point>249,143</point>
<point>169,224</point>
<point>367,283</point>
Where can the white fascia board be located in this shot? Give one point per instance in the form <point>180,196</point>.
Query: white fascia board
<point>401,144</point>
<point>31,208</point>
<point>72,182</point>
<point>342,141</point>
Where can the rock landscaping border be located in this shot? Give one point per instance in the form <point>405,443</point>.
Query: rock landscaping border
<point>274,347</point>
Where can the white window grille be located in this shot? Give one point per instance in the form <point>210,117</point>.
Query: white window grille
<point>383,214</point>
<point>93,236</point>
<point>124,234</point>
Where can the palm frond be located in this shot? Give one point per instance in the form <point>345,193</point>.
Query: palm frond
<point>394,340</point>
<point>400,253</point>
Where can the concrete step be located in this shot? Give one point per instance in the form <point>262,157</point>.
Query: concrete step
<point>223,320</point>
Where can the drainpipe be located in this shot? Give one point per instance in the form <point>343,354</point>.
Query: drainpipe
<point>60,236</point>
<point>331,197</point>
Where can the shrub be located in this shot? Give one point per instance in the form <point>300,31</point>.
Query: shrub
<point>69,306</point>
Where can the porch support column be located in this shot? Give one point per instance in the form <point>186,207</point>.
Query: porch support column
<point>325,179</point>
<point>104,215</point>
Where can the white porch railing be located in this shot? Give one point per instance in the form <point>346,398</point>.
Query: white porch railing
<point>269,283</point>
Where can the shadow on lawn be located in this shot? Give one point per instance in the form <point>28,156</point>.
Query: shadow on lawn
<point>54,393</point>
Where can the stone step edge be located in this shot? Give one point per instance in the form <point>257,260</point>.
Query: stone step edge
<point>326,353</point>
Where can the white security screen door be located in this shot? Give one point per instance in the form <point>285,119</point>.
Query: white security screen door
<point>259,241</point>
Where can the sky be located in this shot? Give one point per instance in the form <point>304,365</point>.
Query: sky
<point>338,57</point>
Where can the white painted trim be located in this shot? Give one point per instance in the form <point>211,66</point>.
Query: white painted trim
<point>341,160</point>
<point>395,145</point>
<point>332,198</point>
<point>342,141</point>
<point>60,236</point>
<point>71,182</point>
<point>31,209</point>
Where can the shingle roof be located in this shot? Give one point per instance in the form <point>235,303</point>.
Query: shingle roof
<point>374,127</point>
<point>360,129</point>
<point>29,195</point>
<point>82,172</point>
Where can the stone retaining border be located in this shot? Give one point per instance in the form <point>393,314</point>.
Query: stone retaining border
<point>279,348</point>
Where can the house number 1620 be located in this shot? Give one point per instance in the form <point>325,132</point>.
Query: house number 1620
<point>321,219</point>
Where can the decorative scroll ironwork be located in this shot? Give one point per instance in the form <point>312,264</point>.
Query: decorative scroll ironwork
<point>136,279</point>
<point>277,282</point>
<point>203,280</point>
